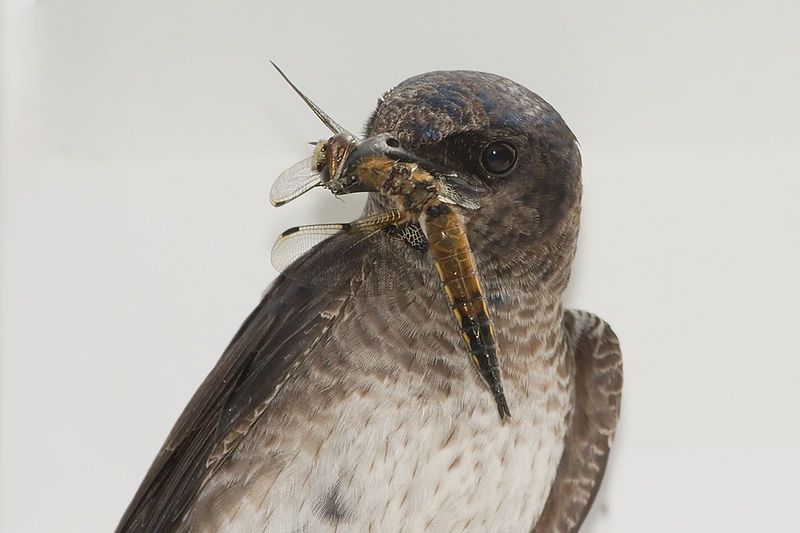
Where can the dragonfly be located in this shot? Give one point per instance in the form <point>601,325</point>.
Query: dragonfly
<point>422,205</point>
<point>323,168</point>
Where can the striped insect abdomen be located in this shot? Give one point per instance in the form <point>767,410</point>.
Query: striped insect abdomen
<point>455,265</point>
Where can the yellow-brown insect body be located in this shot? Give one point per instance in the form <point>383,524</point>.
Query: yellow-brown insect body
<point>455,265</point>
<point>417,194</point>
<point>410,188</point>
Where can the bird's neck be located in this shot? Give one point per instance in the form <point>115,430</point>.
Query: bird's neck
<point>526,298</point>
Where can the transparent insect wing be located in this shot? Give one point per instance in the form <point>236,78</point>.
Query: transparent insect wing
<point>322,115</point>
<point>456,190</point>
<point>365,257</point>
<point>295,181</point>
<point>451,195</point>
<point>448,197</point>
<point>294,243</point>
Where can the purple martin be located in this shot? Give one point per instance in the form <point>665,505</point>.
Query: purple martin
<point>333,411</point>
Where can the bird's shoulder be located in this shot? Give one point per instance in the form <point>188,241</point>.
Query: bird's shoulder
<point>597,358</point>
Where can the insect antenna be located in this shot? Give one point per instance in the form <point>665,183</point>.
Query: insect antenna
<point>323,116</point>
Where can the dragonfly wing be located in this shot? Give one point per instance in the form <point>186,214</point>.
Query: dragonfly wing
<point>294,181</point>
<point>461,192</point>
<point>359,258</point>
<point>294,243</point>
<point>460,201</point>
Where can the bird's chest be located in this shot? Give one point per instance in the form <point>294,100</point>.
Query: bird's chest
<point>464,470</point>
<point>395,457</point>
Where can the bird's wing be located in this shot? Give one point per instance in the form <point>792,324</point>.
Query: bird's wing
<point>598,388</point>
<point>289,322</point>
<point>281,334</point>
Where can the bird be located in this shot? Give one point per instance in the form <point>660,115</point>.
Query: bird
<point>331,411</point>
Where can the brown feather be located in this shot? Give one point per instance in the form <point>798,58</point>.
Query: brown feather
<point>598,389</point>
<point>287,311</point>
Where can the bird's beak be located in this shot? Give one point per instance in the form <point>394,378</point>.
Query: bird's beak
<point>376,155</point>
<point>384,147</point>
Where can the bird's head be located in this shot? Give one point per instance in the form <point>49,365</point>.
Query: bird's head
<point>513,146</point>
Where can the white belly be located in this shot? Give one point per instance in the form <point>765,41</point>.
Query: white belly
<point>407,464</point>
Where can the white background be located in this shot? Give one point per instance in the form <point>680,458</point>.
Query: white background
<point>140,139</point>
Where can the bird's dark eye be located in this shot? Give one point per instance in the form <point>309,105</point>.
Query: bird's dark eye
<point>498,157</point>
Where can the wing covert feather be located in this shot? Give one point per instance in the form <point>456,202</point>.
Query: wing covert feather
<point>287,322</point>
<point>598,389</point>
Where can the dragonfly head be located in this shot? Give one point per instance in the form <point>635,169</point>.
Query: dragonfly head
<point>333,155</point>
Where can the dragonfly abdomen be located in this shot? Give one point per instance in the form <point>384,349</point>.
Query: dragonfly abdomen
<point>455,265</point>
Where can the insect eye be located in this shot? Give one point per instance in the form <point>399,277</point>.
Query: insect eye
<point>498,157</point>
